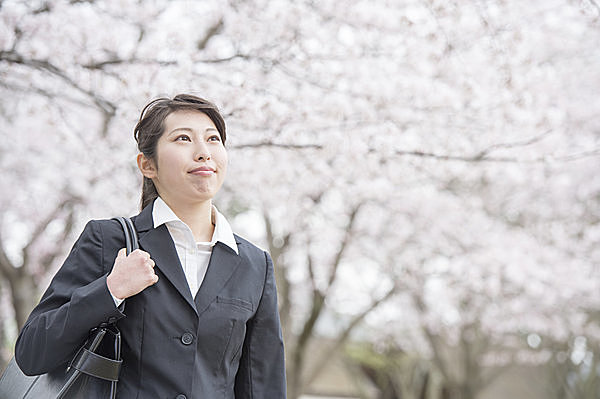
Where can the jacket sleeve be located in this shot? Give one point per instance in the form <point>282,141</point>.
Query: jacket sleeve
<point>262,366</point>
<point>77,300</point>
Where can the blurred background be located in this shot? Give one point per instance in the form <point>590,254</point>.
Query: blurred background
<point>425,174</point>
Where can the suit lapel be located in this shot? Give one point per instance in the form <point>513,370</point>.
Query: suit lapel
<point>223,263</point>
<point>159,244</point>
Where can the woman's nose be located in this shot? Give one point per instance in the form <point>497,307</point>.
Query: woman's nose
<point>202,152</point>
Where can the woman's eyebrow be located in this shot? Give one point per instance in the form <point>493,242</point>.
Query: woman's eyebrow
<point>190,130</point>
<point>187,129</point>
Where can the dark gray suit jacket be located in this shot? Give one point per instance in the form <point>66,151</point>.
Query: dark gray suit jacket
<point>224,343</point>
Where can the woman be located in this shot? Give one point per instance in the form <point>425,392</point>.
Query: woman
<point>200,313</point>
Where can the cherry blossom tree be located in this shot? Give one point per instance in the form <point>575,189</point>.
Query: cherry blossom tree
<point>423,169</point>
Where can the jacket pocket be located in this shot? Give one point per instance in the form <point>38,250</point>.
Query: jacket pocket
<point>240,303</point>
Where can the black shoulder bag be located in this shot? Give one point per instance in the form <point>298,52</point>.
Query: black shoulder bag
<point>91,374</point>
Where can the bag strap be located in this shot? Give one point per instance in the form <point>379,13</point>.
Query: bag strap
<point>98,366</point>
<point>131,238</point>
<point>131,241</point>
<point>85,360</point>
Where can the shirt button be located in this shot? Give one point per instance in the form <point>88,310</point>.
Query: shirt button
<point>187,339</point>
<point>181,397</point>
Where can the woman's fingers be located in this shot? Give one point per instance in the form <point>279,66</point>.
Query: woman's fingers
<point>131,274</point>
<point>122,253</point>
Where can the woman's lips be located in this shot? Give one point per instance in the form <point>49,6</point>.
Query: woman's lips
<point>202,171</point>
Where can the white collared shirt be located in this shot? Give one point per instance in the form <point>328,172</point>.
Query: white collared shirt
<point>193,256</point>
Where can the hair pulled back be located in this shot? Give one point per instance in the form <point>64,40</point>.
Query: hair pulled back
<point>150,128</point>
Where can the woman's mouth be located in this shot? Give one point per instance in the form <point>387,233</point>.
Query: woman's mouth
<point>203,171</point>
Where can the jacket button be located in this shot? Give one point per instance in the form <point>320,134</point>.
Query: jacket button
<point>181,397</point>
<point>186,339</point>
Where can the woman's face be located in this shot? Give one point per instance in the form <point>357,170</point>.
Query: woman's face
<point>191,161</point>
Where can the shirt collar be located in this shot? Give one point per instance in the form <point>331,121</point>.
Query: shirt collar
<point>163,214</point>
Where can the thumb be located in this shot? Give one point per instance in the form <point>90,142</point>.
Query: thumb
<point>122,253</point>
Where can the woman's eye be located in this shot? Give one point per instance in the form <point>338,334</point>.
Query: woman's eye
<point>216,137</point>
<point>183,137</point>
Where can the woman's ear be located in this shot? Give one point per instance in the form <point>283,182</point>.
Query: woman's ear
<point>146,166</point>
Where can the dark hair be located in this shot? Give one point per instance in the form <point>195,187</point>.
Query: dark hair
<point>150,128</point>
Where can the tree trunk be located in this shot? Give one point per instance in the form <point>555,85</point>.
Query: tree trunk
<point>24,294</point>
<point>293,385</point>
<point>457,391</point>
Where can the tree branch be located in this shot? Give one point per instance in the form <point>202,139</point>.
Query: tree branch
<point>282,280</point>
<point>7,268</point>
<point>318,299</point>
<point>13,57</point>
<point>303,338</point>
<point>48,259</point>
<point>100,65</point>
<point>269,143</point>
<point>437,353</point>
<point>41,92</point>
<point>483,158</point>
<point>349,232</point>
<point>514,144</point>
<point>43,224</point>
<point>311,269</point>
<point>226,59</point>
<point>210,33</point>
<point>343,337</point>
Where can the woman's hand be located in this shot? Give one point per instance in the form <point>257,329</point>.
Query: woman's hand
<point>131,274</point>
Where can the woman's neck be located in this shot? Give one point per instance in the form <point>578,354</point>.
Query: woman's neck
<point>198,217</point>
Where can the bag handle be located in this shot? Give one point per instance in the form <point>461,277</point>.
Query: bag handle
<point>85,360</point>
<point>131,238</point>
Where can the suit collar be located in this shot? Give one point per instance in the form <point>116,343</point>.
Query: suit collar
<point>163,214</point>
<point>159,244</point>
<point>223,263</point>
<point>143,220</point>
